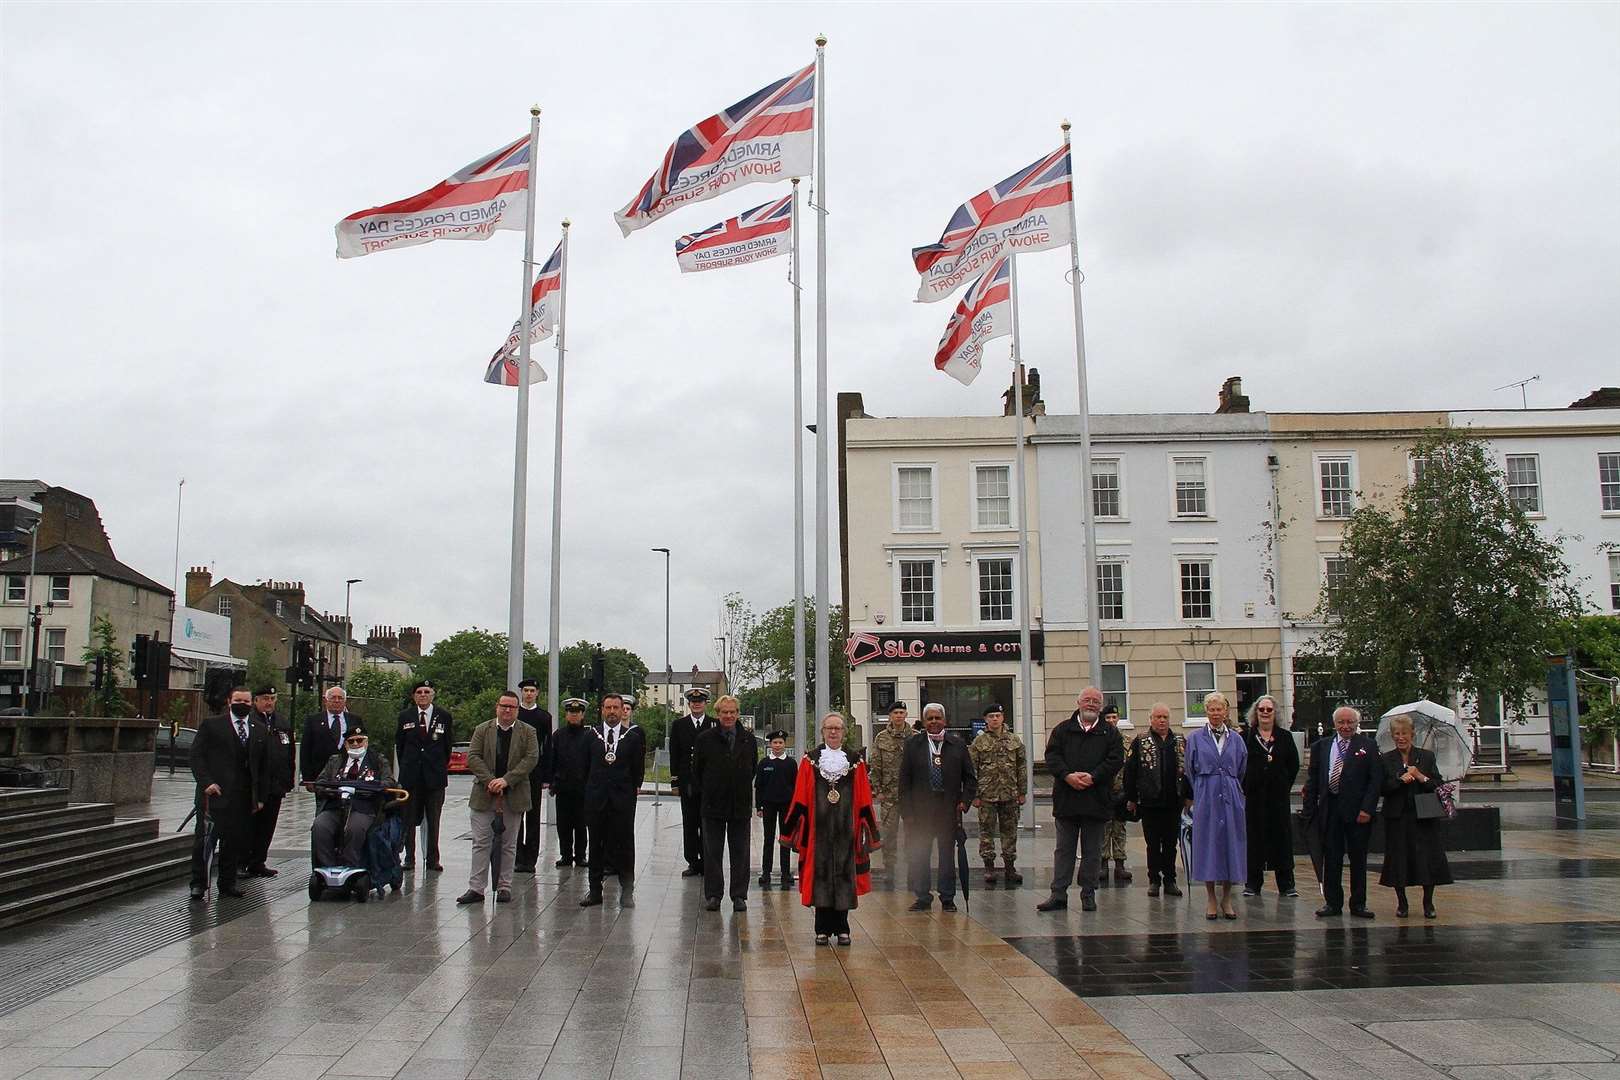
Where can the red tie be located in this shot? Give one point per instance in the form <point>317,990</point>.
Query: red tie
<point>354,770</point>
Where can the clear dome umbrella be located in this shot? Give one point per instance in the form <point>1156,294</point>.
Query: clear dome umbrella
<point>1435,728</point>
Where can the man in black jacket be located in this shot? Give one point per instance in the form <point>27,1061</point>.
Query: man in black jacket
<point>422,745</point>
<point>936,784</point>
<point>683,735</point>
<point>280,770</point>
<point>775,777</point>
<point>1341,793</point>
<point>1153,771</point>
<point>723,775</point>
<point>564,766</point>
<point>323,734</point>
<point>530,712</point>
<point>227,761</point>
<point>618,765</point>
<point>1082,755</point>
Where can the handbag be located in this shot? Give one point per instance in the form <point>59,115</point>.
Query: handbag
<point>1426,805</point>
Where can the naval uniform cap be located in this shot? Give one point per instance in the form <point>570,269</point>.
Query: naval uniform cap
<point>575,704</point>
<point>697,693</point>
<point>774,735</point>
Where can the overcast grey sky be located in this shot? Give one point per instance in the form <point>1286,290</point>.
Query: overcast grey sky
<point>1362,207</point>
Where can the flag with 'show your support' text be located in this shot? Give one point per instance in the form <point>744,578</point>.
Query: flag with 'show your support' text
<point>984,314</point>
<point>1025,212</point>
<point>544,296</point>
<point>752,236</point>
<point>767,136</point>
<point>492,193</point>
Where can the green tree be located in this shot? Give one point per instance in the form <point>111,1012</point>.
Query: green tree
<point>653,720</point>
<point>1452,590</point>
<point>768,652</point>
<point>469,662</point>
<point>262,670</point>
<point>104,649</point>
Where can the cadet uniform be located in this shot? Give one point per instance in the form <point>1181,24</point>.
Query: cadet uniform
<point>999,763</point>
<point>883,766</point>
<point>1113,846</point>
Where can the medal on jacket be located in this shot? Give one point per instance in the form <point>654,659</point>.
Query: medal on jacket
<point>833,796</point>
<point>610,757</point>
<point>938,760</point>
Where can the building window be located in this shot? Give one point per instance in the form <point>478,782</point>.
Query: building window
<point>1336,481</point>
<point>914,498</point>
<point>916,590</point>
<point>1116,689</point>
<point>278,608</point>
<point>61,589</point>
<point>225,606</point>
<point>1609,481</point>
<point>1111,591</point>
<point>995,590</point>
<point>1253,683</point>
<point>16,589</point>
<point>1198,678</point>
<point>1335,573</point>
<point>56,646</point>
<point>11,645</point>
<point>1614,581</point>
<point>1524,482</point>
<point>1107,494</point>
<point>1196,580</point>
<point>992,497</point>
<point>1192,486</point>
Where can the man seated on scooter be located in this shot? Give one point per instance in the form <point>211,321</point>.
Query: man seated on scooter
<point>367,771</point>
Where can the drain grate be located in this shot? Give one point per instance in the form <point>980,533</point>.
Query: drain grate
<point>41,958</point>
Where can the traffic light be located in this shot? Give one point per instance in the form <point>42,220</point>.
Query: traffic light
<point>302,671</point>
<point>139,659</point>
<point>157,664</point>
<point>598,670</point>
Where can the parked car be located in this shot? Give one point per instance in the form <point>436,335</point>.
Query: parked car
<point>458,757</point>
<point>181,754</point>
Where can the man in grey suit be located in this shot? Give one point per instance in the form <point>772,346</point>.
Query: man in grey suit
<point>501,756</point>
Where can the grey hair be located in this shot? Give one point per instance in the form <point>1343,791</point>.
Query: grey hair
<point>1254,710</point>
<point>335,686</point>
<point>1352,710</point>
<point>933,705</point>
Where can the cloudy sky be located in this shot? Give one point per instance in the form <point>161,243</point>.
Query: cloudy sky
<point>1358,207</point>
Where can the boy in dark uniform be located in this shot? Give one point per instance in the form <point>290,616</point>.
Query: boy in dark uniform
<point>774,778</point>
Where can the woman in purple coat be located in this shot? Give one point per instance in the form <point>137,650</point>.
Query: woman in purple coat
<point>1213,786</point>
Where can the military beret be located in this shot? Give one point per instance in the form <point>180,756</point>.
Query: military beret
<point>421,684</point>
<point>526,684</point>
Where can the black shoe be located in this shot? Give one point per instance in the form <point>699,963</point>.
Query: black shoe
<point>261,871</point>
<point>712,904</point>
<point>627,898</point>
<point>592,900</point>
<point>739,905</point>
<point>1251,892</point>
<point>920,905</point>
<point>560,863</point>
<point>1053,903</point>
<point>1401,911</point>
<point>523,868</point>
<point>1362,913</point>
<point>1153,888</point>
<point>198,895</point>
<point>764,881</point>
<point>231,890</point>
<point>470,897</point>
<point>1170,888</point>
<point>691,871</point>
<point>1292,894</point>
<point>1088,901</point>
<point>947,905</point>
<point>436,868</point>
<point>503,896</point>
<point>1327,911</point>
<point>788,883</point>
<point>1429,912</point>
<point>408,867</point>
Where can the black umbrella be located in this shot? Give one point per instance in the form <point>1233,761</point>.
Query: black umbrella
<point>496,828</point>
<point>962,860</point>
<point>210,838</point>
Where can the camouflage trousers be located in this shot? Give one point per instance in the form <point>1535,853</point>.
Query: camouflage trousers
<point>1114,841</point>
<point>999,819</point>
<point>889,830</point>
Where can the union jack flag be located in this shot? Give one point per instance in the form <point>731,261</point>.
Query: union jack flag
<point>1022,213</point>
<point>761,233</point>
<point>984,314</point>
<point>543,298</point>
<point>767,136</point>
<point>491,193</point>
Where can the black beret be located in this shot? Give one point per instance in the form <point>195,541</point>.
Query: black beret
<point>421,684</point>
<point>993,707</point>
<point>265,689</point>
<point>896,705</point>
<point>524,684</point>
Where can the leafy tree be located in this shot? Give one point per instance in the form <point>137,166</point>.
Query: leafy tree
<point>376,683</point>
<point>1452,590</point>
<point>1597,644</point>
<point>768,652</point>
<point>103,649</point>
<point>469,662</point>
<point>653,720</point>
<point>262,669</point>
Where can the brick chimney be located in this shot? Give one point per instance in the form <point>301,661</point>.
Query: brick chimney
<point>290,593</point>
<point>383,637</point>
<point>1233,399</point>
<point>1033,405</point>
<point>1604,397</point>
<point>199,579</point>
<point>410,641</point>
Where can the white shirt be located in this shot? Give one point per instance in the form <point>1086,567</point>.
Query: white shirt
<point>335,722</point>
<point>610,735</point>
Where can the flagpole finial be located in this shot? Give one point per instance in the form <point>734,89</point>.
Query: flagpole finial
<point>566,223</point>
<point>1065,124</point>
<point>795,181</point>
<point>534,110</point>
<point>821,41</point>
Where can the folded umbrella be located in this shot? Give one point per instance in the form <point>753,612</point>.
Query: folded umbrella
<point>962,860</point>
<point>496,828</point>
<point>1186,843</point>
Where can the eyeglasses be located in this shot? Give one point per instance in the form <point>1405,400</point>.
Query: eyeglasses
<point>1264,708</point>
<point>357,740</point>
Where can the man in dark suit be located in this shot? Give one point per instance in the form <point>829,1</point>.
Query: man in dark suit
<point>422,745</point>
<point>723,775</point>
<point>565,765</point>
<point>683,735</point>
<point>323,734</point>
<point>936,784</point>
<point>1341,792</point>
<point>530,712</point>
<point>280,769</point>
<point>618,764</point>
<point>227,760</point>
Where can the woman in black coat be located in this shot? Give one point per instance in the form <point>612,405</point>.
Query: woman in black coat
<point>1413,852</point>
<point>1268,784</point>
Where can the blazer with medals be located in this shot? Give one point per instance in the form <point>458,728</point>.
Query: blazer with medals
<point>615,783</point>
<point>522,753</point>
<point>373,770</point>
<point>280,760</point>
<point>424,756</point>
<point>1360,782</point>
<point>219,757</point>
<point>956,768</point>
<point>683,737</point>
<point>723,774</point>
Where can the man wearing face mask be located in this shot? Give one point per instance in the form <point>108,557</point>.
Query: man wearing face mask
<point>936,784</point>
<point>227,760</point>
<point>337,843</point>
<point>1082,755</point>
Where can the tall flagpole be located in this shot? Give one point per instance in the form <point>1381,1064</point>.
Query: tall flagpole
<point>520,467</point>
<point>799,730</point>
<point>1024,671</point>
<point>554,668</point>
<point>1088,515</point>
<point>823,688</point>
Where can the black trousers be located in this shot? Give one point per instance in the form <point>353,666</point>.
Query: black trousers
<point>773,840</point>
<point>426,804</point>
<point>1340,838</point>
<point>934,829</point>
<point>1161,828</point>
<point>613,842</point>
<point>264,830</point>
<point>691,828</point>
<point>572,838</point>
<point>1088,832</point>
<point>233,830</point>
<point>528,847</point>
<point>831,921</point>
<point>728,835</point>
<point>1271,833</point>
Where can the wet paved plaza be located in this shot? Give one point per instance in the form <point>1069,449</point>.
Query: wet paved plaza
<point>1517,978</point>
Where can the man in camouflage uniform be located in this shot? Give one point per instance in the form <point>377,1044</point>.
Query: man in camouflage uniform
<point>883,766</point>
<point>1114,830</point>
<point>999,763</point>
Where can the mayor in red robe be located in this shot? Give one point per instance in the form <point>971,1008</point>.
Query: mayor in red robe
<point>832,825</point>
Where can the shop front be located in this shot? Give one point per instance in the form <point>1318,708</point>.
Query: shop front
<point>964,672</point>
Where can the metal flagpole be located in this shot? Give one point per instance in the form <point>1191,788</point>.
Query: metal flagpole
<point>819,202</point>
<point>799,726</point>
<point>554,668</point>
<point>1088,515</point>
<point>520,466</point>
<point>1024,669</point>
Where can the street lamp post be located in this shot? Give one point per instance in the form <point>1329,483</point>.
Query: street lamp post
<point>668,671</point>
<point>725,661</point>
<point>348,630</point>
